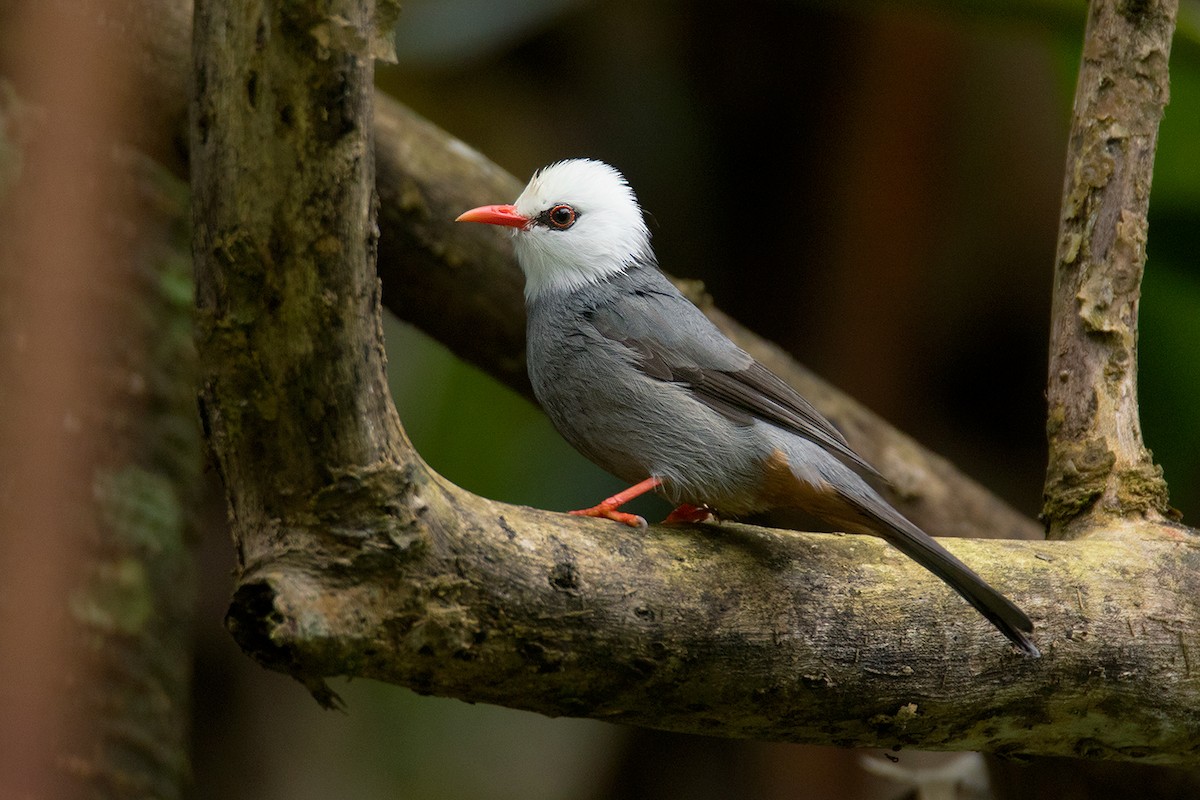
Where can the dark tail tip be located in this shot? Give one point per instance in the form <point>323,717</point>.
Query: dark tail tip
<point>1023,642</point>
<point>926,551</point>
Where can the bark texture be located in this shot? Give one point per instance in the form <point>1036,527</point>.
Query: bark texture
<point>740,632</point>
<point>293,397</point>
<point>1099,470</point>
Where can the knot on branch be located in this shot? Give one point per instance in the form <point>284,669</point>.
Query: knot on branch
<point>1134,11</point>
<point>1081,473</point>
<point>1075,478</point>
<point>374,507</point>
<point>252,620</point>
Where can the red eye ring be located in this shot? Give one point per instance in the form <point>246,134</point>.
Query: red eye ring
<point>562,216</point>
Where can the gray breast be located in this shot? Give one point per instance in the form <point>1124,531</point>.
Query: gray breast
<point>627,422</point>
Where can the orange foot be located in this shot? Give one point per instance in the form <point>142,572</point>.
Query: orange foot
<point>607,511</point>
<point>689,513</point>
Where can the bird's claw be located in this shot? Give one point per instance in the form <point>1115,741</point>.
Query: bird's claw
<point>610,512</point>
<point>687,512</point>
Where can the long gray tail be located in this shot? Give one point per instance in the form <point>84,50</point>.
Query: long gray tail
<point>906,537</point>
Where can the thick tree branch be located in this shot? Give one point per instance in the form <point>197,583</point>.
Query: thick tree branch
<point>294,394</point>
<point>1099,469</point>
<point>741,632</point>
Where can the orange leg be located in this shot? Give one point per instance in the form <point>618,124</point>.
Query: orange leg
<point>608,508</point>
<point>689,513</point>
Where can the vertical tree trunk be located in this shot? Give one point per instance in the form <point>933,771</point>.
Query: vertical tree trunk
<point>294,394</point>
<point>99,448</point>
<point>1099,469</point>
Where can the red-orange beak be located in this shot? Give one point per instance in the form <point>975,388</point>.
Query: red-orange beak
<point>495,215</point>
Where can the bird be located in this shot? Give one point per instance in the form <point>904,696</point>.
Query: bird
<point>641,382</point>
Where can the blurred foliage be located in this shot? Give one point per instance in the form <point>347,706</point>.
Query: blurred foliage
<point>873,185</point>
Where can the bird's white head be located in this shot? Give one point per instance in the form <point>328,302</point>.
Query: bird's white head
<point>577,222</point>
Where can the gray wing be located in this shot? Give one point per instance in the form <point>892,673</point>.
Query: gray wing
<point>693,352</point>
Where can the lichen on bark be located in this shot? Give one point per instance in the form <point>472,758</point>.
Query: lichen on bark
<point>1098,467</point>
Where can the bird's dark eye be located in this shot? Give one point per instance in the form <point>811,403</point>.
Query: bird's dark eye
<point>561,216</point>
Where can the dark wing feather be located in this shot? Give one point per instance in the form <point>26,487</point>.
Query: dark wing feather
<point>763,394</point>
<point>693,352</point>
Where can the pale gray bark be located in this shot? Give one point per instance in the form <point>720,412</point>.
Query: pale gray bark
<point>1099,470</point>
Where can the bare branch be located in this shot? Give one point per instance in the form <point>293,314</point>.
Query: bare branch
<point>1099,468</point>
<point>294,396</point>
<point>740,632</point>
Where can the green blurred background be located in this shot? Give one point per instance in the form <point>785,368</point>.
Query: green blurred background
<point>875,186</point>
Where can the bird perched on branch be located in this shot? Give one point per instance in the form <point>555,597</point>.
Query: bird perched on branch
<point>637,378</point>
